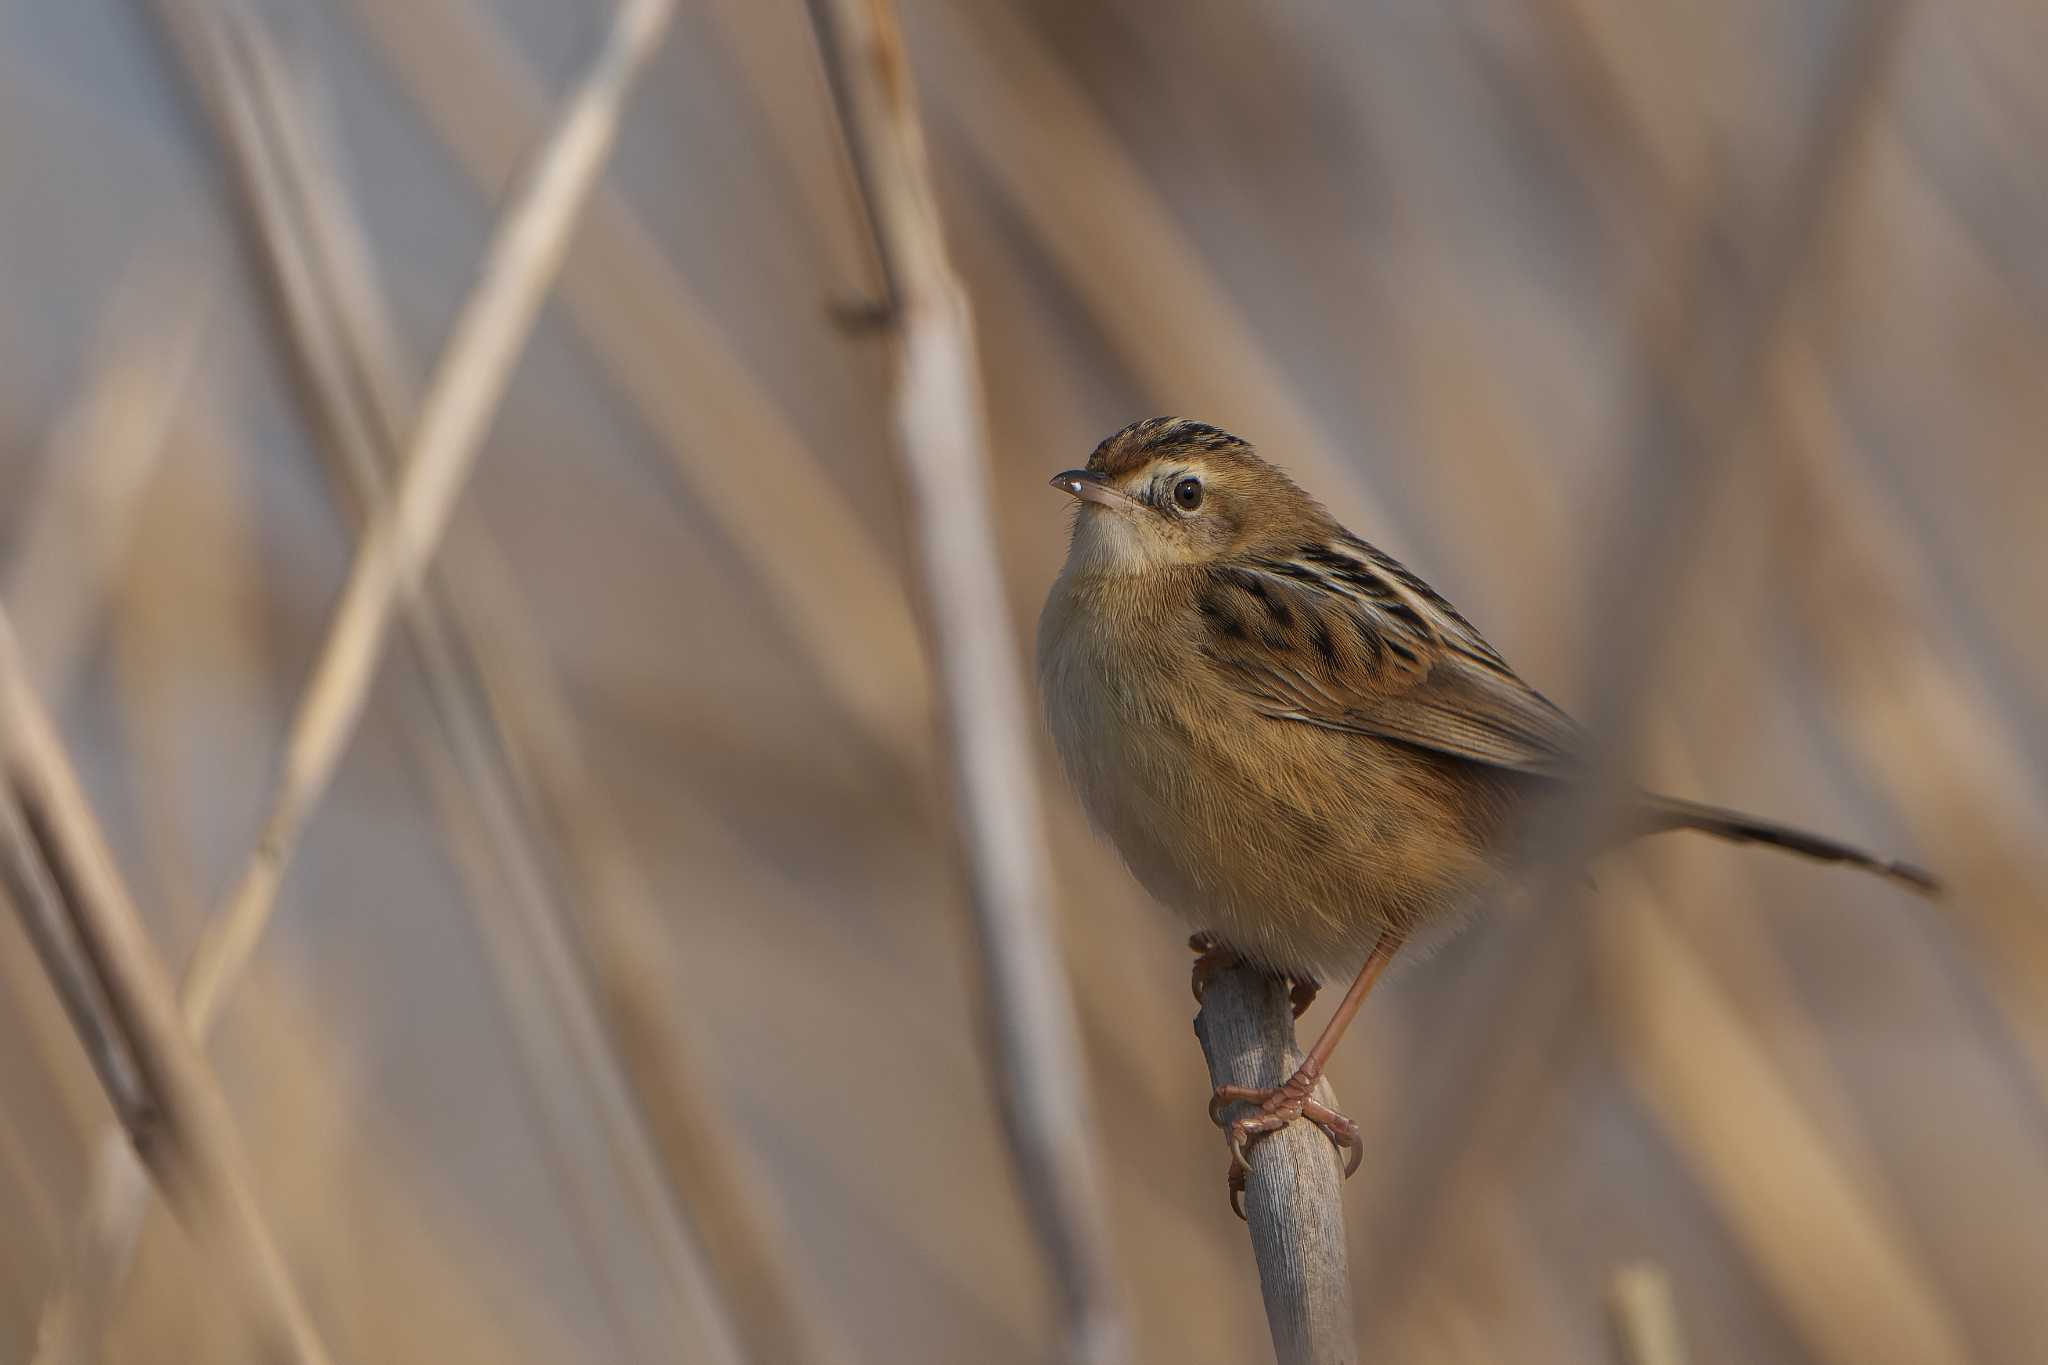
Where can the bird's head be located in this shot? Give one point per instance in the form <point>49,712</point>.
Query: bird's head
<point>1169,491</point>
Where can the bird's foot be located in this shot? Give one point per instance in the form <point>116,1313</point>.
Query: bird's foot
<point>1212,957</point>
<point>1276,1109</point>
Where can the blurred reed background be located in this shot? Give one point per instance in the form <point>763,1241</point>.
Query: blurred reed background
<point>643,877</point>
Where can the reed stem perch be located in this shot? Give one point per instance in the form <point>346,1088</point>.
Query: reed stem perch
<point>1293,1199</point>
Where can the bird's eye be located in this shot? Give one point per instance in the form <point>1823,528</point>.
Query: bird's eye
<point>1187,494</point>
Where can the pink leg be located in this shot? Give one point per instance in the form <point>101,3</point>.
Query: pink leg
<point>1292,1099</point>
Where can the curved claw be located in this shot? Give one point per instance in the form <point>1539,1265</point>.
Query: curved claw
<point>1345,1139</point>
<point>1276,1109</point>
<point>1240,1137</point>
<point>1240,1143</point>
<point>1342,1132</point>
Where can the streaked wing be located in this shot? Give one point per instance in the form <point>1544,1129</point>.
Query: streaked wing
<point>1342,636</point>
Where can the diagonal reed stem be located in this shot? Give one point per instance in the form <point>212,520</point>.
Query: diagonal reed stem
<point>59,870</point>
<point>519,266</point>
<point>634,1071</point>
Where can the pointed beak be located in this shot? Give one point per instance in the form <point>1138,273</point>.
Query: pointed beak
<point>1089,486</point>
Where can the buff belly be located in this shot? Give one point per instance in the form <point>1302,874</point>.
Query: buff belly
<point>1300,860</point>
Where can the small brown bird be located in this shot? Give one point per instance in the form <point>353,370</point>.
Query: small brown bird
<point>1294,741</point>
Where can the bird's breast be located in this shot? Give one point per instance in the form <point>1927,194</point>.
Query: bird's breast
<point>1295,843</point>
<point>1115,701</point>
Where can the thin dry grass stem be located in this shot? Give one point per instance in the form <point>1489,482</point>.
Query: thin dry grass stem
<point>1860,566</point>
<point>766,42</point>
<point>942,440</point>
<point>1645,1316</point>
<point>572,1069</point>
<point>621,1035</point>
<point>1703,369</point>
<point>1888,652</point>
<point>1704,362</point>
<point>1645,1313</point>
<point>162,625</point>
<point>19,1166</point>
<point>82,1302</point>
<point>100,461</point>
<point>764,50</point>
<point>67,962</point>
<point>1294,1196</point>
<point>518,268</point>
<point>1911,1307</point>
<point>1037,136</point>
<point>1849,1281</point>
<point>58,866</point>
<point>828,578</point>
<point>487,339</point>
<point>729,1200</point>
<point>101,457</point>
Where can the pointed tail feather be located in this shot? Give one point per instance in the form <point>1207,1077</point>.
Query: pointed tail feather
<point>1668,812</point>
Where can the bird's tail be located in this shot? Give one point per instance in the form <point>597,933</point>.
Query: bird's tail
<point>1668,812</point>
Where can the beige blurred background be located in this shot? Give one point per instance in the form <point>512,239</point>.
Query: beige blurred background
<point>1432,257</point>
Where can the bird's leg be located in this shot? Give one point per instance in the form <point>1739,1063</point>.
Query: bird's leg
<point>1293,1098</point>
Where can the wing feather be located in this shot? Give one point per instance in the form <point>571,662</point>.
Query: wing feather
<point>1341,636</point>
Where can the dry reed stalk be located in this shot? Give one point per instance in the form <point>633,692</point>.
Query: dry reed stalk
<point>574,1073</point>
<point>1848,1280</point>
<point>817,158</point>
<point>942,440</point>
<point>1889,651</point>
<point>1294,1196</point>
<point>1863,564</point>
<point>684,378</point>
<point>829,579</point>
<point>518,268</point>
<point>1645,1315</point>
<point>768,43</point>
<point>41,1226</point>
<point>101,459</point>
<point>727,1198</point>
<point>709,1176</point>
<point>1910,1307</point>
<point>631,1062</point>
<point>1041,141</point>
<point>486,342</point>
<point>58,869</point>
<point>1698,413</point>
<point>1705,357</point>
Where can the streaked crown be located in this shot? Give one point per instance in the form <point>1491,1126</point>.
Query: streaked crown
<point>1157,437</point>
